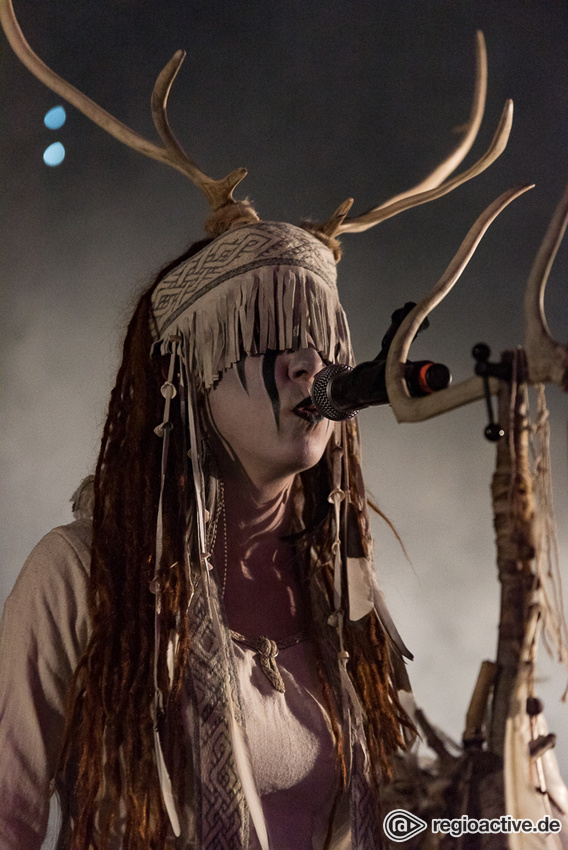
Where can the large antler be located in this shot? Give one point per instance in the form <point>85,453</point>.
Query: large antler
<point>405,408</point>
<point>547,359</point>
<point>433,186</point>
<point>217,192</point>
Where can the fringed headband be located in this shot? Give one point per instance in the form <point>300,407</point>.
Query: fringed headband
<point>260,286</point>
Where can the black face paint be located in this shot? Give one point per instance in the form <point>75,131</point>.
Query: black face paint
<point>269,378</point>
<point>240,364</point>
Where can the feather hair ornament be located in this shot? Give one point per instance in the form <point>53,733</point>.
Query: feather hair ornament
<point>353,714</point>
<point>241,750</point>
<point>163,430</point>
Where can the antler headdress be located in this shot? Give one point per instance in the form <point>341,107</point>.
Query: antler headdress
<point>225,210</point>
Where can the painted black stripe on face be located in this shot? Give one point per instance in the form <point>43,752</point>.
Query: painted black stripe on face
<point>242,374</point>
<point>269,378</point>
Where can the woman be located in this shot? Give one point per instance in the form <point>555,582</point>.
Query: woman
<point>197,681</point>
<point>211,671</point>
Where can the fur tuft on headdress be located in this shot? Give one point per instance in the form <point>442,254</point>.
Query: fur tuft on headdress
<point>330,242</point>
<point>230,215</point>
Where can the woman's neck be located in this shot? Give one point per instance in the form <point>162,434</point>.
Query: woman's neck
<point>255,516</point>
<point>256,564</point>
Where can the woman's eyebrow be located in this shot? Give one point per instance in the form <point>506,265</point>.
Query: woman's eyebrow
<point>269,378</point>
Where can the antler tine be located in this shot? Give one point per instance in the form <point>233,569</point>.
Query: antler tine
<point>433,186</point>
<point>217,192</point>
<point>378,214</point>
<point>159,102</point>
<point>470,130</point>
<point>405,408</point>
<point>330,227</point>
<point>547,359</point>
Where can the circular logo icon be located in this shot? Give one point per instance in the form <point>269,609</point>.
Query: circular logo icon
<point>400,825</point>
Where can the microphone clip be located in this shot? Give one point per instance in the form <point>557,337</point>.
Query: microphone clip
<point>481,354</point>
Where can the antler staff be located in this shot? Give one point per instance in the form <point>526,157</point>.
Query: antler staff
<point>547,358</point>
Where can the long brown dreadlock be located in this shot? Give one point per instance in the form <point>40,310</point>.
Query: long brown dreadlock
<point>109,730</point>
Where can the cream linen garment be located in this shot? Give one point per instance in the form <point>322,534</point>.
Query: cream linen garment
<point>43,632</point>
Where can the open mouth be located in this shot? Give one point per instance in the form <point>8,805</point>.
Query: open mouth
<point>307,410</point>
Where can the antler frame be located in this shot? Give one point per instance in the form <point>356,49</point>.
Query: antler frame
<point>433,186</point>
<point>547,358</point>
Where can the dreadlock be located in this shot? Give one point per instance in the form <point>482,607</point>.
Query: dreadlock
<point>109,733</point>
<point>370,662</point>
<point>109,729</point>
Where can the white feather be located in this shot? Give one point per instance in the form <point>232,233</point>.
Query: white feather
<point>241,752</point>
<point>388,624</point>
<point>364,595</point>
<point>360,591</point>
<point>357,727</point>
<point>166,785</point>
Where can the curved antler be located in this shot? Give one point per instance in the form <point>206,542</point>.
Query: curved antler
<point>547,359</point>
<point>470,130</point>
<point>405,408</point>
<point>433,185</point>
<point>217,192</point>
<point>378,214</point>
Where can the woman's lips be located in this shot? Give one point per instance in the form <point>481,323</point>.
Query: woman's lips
<point>307,410</point>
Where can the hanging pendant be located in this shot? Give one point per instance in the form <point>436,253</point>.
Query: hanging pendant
<point>268,650</point>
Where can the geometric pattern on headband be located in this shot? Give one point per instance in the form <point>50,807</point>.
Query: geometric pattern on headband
<point>241,249</point>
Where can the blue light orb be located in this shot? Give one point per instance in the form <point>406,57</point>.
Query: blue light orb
<point>54,154</point>
<point>55,118</point>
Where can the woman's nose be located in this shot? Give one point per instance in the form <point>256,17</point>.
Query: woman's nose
<point>304,364</point>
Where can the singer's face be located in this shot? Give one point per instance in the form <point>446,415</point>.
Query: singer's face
<point>256,408</point>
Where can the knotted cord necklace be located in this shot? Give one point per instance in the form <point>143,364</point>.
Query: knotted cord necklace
<point>266,648</point>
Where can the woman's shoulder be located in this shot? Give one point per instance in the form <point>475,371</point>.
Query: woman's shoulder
<point>64,549</point>
<point>67,542</point>
<point>55,576</point>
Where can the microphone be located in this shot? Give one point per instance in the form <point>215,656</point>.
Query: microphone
<point>340,392</point>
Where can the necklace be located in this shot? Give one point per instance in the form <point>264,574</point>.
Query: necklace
<point>221,513</point>
<point>268,650</point>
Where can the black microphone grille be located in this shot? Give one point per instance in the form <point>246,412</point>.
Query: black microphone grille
<point>321,397</point>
